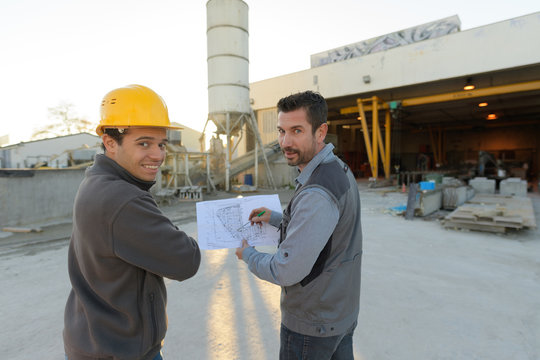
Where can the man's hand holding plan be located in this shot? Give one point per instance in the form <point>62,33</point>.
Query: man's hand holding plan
<point>220,222</point>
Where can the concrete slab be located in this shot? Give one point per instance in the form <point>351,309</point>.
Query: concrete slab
<point>428,201</point>
<point>454,196</point>
<point>513,186</point>
<point>482,185</point>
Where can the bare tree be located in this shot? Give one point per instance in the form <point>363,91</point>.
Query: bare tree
<point>64,121</point>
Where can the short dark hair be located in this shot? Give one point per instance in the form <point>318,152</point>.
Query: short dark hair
<point>313,102</point>
<point>115,134</point>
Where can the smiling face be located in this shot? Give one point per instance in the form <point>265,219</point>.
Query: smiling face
<point>296,138</point>
<point>141,151</point>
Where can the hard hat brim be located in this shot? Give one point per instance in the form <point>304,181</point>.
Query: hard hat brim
<point>100,130</point>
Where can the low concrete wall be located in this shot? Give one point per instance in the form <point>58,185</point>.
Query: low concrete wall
<point>282,173</point>
<point>37,196</point>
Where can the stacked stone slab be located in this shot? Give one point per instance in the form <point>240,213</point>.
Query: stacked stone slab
<point>482,185</point>
<point>428,202</point>
<point>513,186</point>
<point>454,196</point>
<point>455,192</point>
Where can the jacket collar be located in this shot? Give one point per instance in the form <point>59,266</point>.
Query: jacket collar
<point>325,154</point>
<point>105,165</point>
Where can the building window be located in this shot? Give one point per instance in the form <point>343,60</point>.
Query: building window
<point>269,120</point>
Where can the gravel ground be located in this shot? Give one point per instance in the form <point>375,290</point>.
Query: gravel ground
<point>427,293</point>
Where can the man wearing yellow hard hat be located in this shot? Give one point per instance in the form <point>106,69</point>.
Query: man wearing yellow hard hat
<point>122,245</point>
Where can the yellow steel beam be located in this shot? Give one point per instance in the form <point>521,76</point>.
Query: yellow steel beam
<point>358,126</point>
<point>458,95</point>
<point>365,131</point>
<point>437,144</point>
<point>354,109</point>
<point>376,135</point>
<point>441,153</point>
<point>387,143</point>
<point>381,146</point>
<point>344,121</point>
<point>384,147</point>
<point>374,143</point>
<point>433,145</point>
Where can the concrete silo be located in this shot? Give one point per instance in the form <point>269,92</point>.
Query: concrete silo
<point>228,60</point>
<point>228,72</point>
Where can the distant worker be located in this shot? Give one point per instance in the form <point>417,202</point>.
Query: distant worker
<point>122,246</point>
<point>318,259</point>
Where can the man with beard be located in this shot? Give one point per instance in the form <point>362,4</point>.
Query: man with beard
<point>318,259</point>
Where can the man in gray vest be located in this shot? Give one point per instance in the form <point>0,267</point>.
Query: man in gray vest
<point>318,260</point>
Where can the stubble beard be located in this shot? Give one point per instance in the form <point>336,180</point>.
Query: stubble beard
<point>292,162</point>
<point>302,157</point>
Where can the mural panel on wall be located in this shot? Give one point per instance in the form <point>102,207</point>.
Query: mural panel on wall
<point>415,34</point>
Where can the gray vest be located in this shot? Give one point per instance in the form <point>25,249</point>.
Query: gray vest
<point>326,301</point>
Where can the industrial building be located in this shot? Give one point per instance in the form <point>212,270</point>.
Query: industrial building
<point>58,152</point>
<point>429,98</point>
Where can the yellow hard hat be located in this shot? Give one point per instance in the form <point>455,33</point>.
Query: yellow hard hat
<point>133,106</point>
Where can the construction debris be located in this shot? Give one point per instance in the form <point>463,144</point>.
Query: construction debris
<point>192,193</point>
<point>183,193</point>
<point>493,213</point>
<point>378,183</point>
<point>165,196</point>
<point>21,230</point>
<point>243,188</point>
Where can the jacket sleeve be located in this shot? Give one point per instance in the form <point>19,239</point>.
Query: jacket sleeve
<point>275,218</point>
<point>143,236</point>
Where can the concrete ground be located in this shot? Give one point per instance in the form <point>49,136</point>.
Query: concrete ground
<point>427,293</point>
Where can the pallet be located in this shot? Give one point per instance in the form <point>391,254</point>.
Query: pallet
<point>493,213</point>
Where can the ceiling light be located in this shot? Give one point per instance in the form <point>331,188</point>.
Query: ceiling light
<point>484,104</point>
<point>346,126</point>
<point>359,118</point>
<point>469,85</point>
<point>491,117</point>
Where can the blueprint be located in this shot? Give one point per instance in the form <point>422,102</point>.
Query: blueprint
<point>220,222</point>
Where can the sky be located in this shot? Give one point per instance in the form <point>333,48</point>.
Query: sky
<point>76,51</point>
